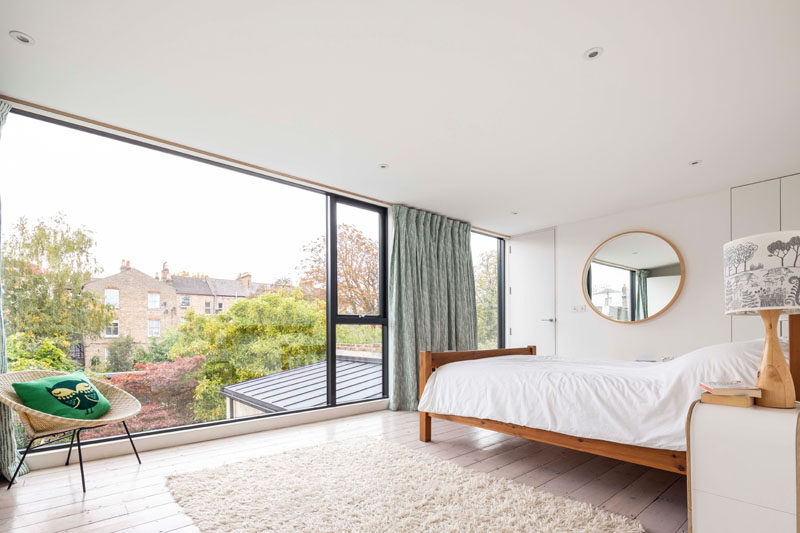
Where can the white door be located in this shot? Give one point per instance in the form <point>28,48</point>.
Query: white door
<point>530,291</point>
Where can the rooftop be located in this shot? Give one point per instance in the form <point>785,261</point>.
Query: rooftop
<point>357,378</point>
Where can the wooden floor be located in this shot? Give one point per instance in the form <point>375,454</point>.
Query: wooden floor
<point>123,496</point>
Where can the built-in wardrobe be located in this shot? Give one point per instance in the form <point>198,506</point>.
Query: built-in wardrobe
<point>761,207</point>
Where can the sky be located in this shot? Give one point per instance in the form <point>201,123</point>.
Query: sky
<point>149,207</point>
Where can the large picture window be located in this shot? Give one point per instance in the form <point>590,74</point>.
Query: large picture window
<point>277,304</point>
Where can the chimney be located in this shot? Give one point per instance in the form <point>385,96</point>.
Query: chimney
<point>165,272</point>
<point>126,265</point>
<point>246,278</point>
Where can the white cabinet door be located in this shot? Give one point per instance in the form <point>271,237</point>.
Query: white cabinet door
<point>530,305</point>
<point>790,203</point>
<point>754,209</point>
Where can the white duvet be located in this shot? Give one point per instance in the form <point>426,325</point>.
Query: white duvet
<point>644,404</point>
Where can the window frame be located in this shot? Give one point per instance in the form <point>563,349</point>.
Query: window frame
<point>105,296</point>
<point>501,287</point>
<point>631,286</point>
<point>149,321</point>
<point>114,322</point>
<point>150,294</point>
<point>332,316</point>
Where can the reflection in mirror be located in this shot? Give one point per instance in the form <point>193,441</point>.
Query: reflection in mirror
<point>633,276</point>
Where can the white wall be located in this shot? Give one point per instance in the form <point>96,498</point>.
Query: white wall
<point>698,227</point>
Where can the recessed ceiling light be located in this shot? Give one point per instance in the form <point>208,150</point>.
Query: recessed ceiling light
<point>21,38</point>
<point>695,162</point>
<point>593,53</point>
<point>383,165</point>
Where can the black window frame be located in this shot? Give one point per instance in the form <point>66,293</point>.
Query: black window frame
<point>501,286</point>
<point>631,286</point>
<point>333,318</point>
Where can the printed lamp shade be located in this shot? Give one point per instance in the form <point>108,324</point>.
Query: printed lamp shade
<point>763,272</point>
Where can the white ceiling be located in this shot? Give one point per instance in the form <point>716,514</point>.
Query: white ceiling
<point>480,108</point>
<point>637,250</point>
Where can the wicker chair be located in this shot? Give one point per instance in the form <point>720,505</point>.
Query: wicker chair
<point>38,425</point>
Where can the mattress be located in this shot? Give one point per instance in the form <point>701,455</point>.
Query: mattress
<point>643,404</point>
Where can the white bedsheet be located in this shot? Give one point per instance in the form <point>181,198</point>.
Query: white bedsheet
<point>644,404</point>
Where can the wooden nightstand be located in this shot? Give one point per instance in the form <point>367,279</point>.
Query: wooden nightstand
<point>743,471</point>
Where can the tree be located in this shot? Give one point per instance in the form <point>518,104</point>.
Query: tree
<point>27,353</point>
<point>794,244</point>
<point>158,352</point>
<point>746,251</point>
<point>255,337</point>
<point>120,354</point>
<point>165,390</point>
<point>779,249</point>
<point>45,267</point>
<point>358,270</point>
<point>486,299</point>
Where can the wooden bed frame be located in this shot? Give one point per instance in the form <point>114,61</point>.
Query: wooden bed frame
<point>670,460</point>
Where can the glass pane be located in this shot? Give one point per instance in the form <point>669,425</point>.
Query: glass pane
<point>484,263</point>
<point>611,290</point>
<point>359,362</point>
<point>207,316</point>
<point>358,260</point>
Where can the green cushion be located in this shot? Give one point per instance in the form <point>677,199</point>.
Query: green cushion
<point>69,396</point>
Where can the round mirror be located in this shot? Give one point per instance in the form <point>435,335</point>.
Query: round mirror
<point>633,277</point>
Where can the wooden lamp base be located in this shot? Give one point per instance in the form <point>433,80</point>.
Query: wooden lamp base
<point>774,377</point>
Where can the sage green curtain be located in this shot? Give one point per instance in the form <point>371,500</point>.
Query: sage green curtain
<point>9,455</point>
<point>431,295</point>
<point>641,294</point>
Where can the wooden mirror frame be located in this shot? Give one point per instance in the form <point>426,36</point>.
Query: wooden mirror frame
<point>663,309</point>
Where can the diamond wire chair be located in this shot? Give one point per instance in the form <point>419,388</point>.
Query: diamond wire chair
<point>38,425</point>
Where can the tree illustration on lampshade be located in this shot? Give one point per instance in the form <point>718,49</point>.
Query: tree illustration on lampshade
<point>763,272</point>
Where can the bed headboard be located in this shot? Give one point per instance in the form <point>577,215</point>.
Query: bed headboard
<point>794,352</point>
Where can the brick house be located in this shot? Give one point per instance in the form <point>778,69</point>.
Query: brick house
<point>148,306</point>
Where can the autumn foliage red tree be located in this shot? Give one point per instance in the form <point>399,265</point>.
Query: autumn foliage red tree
<point>358,271</point>
<point>165,390</point>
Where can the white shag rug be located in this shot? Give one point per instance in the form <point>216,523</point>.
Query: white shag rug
<point>370,485</point>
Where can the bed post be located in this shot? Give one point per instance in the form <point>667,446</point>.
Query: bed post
<point>794,352</point>
<point>425,364</point>
<point>532,349</point>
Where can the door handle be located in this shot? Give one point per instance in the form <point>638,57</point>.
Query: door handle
<point>548,320</point>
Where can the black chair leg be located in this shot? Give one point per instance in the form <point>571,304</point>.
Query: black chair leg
<point>69,453</point>
<point>131,439</point>
<point>22,460</point>
<point>80,460</point>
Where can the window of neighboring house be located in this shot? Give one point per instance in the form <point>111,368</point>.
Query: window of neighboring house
<point>208,308</point>
<point>112,297</point>
<point>154,327</point>
<point>219,307</point>
<point>112,330</point>
<point>186,301</point>
<point>153,300</point>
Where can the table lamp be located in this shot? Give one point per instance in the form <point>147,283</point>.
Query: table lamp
<point>762,276</point>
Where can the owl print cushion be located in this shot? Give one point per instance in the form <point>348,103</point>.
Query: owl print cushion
<point>68,396</point>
